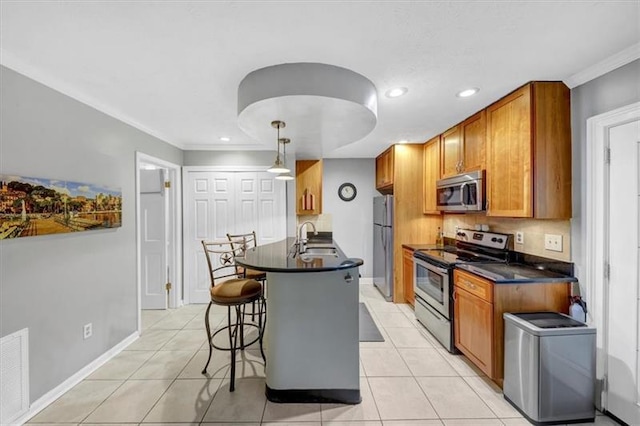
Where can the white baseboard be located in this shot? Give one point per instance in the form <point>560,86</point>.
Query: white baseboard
<point>368,281</point>
<point>63,387</point>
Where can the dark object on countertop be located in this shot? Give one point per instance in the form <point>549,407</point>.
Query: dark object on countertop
<point>368,330</point>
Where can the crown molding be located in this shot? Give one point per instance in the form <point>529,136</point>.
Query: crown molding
<point>221,147</point>
<point>10,61</point>
<point>621,58</point>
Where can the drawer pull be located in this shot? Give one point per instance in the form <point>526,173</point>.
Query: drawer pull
<point>470,285</point>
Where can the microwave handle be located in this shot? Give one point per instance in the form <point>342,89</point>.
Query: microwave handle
<point>462,188</point>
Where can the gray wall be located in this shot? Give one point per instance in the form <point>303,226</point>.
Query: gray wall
<point>353,220</point>
<point>613,90</point>
<point>229,158</point>
<point>57,283</point>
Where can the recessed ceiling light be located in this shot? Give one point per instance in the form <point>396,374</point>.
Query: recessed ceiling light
<point>467,92</point>
<point>396,92</point>
<point>225,139</point>
<point>403,141</point>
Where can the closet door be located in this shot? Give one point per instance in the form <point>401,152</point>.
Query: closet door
<point>217,203</point>
<point>272,209</point>
<point>209,214</point>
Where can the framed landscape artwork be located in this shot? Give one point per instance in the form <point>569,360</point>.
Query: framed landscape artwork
<point>37,206</point>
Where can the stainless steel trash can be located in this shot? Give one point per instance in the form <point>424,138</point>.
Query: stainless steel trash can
<point>549,367</point>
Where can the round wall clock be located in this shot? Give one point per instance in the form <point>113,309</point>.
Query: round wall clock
<point>347,191</point>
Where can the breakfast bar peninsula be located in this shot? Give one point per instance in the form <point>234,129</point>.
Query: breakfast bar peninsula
<point>311,339</point>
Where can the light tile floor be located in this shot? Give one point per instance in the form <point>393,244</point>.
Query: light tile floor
<point>407,380</point>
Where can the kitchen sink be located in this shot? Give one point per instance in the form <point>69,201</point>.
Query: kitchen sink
<point>321,251</point>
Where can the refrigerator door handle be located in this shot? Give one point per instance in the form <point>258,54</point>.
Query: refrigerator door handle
<point>384,242</point>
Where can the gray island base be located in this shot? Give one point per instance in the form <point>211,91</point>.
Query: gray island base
<point>312,342</point>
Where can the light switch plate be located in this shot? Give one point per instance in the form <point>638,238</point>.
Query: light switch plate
<point>553,242</point>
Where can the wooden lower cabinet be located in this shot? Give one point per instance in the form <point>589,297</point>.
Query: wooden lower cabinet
<point>407,276</point>
<point>473,320</point>
<point>479,305</point>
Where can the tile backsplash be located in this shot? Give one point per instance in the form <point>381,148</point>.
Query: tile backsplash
<point>533,229</point>
<point>323,222</point>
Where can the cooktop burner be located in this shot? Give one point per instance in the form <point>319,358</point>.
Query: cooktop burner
<point>451,256</point>
<point>471,246</point>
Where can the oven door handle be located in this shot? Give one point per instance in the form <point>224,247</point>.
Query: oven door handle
<point>432,267</point>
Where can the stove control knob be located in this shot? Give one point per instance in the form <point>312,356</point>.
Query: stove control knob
<point>494,240</point>
<point>500,240</point>
<point>461,234</point>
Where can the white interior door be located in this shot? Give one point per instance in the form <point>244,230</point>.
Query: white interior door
<point>209,215</point>
<point>153,248</point>
<point>246,209</point>
<point>272,209</point>
<point>217,203</point>
<point>622,329</point>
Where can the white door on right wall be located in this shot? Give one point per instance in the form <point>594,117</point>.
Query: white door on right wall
<point>622,327</point>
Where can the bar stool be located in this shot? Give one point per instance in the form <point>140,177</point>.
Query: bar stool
<point>244,242</point>
<point>227,289</point>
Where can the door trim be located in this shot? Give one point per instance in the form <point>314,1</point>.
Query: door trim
<point>595,228</point>
<point>176,176</point>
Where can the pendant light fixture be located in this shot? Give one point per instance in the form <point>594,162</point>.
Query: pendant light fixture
<point>278,166</point>
<point>286,175</point>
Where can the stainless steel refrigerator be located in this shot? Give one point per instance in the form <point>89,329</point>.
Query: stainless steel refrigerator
<point>383,245</point>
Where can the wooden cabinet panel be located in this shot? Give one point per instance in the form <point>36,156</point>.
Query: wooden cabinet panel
<point>473,319</point>
<point>552,150</point>
<point>451,149</point>
<point>407,276</point>
<point>474,131</point>
<point>384,171</point>
<point>308,187</point>
<point>529,153</point>
<point>431,155</point>
<point>509,189</point>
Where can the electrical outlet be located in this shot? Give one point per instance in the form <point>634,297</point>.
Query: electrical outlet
<point>519,237</point>
<point>87,330</point>
<point>553,242</point>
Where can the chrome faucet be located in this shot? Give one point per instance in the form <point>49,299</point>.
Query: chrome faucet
<point>302,242</point>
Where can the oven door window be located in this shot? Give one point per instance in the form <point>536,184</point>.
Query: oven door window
<point>431,283</point>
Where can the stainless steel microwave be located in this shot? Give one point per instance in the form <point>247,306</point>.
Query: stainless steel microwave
<point>462,193</point>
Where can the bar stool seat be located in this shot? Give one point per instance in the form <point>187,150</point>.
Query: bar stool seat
<point>238,290</point>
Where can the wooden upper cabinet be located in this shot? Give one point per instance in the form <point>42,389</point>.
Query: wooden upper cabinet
<point>474,131</point>
<point>529,153</point>
<point>308,187</point>
<point>384,171</point>
<point>431,155</point>
<point>463,146</point>
<point>451,150</point>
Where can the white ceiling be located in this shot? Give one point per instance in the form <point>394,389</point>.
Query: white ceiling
<point>173,68</point>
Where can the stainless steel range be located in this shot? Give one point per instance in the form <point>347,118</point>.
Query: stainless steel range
<point>433,277</point>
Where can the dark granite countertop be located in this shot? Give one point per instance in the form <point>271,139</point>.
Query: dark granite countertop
<point>275,257</point>
<point>415,247</point>
<point>515,273</point>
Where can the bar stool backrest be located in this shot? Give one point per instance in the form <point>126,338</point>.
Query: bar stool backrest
<point>221,258</point>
